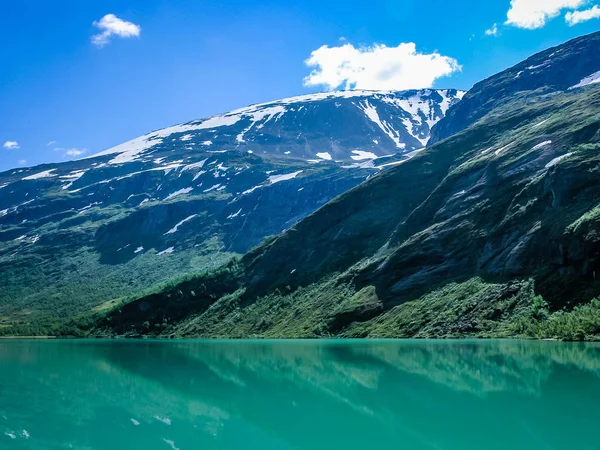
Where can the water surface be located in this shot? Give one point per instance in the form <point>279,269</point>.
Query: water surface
<point>265,395</point>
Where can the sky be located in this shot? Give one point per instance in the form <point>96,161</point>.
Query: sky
<point>80,77</point>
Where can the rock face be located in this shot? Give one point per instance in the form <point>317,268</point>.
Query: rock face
<point>571,65</point>
<point>86,234</point>
<point>457,241</point>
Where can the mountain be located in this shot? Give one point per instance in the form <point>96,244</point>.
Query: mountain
<point>76,238</point>
<point>490,232</point>
<point>340,126</point>
<point>556,69</point>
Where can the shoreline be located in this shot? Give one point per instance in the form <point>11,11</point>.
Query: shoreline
<point>167,339</point>
<point>27,337</point>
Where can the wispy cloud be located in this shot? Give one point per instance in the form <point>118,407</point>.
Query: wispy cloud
<point>111,26</point>
<point>493,31</point>
<point>22,162</point>
<point>75,152</point>
<point>72,152</point>
<point>11,145</point>
<point>377,67</point>
<point>532,14</point>
<point>51,143</point>
<point>573,18</point>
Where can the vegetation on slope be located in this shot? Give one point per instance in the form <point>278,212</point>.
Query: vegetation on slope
<point>70,253</point>
<point>493,234</point>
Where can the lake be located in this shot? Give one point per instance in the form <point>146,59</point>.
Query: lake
<point>299,395</point>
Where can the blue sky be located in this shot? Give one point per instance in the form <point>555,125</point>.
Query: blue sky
<point>183,60</point>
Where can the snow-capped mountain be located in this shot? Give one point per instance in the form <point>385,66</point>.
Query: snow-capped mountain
<point>491,232</point>
<point>340,126</point>
<point>187,198</point>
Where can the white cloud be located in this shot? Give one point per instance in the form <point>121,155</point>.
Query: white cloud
<point>75,151</point>
<point>22,162</point>
<point>492,31</point>
<point>377,67</point>
<point>51,143</point>
<point>11,145</point>
<point>573,18</point>
<point>110,26</point>
<point>532,14</point>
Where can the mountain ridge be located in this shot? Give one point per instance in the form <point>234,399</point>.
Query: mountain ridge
<point>487,220</point>
<point>418,110</point>
<point>550,70</point>
<point>79,237</point>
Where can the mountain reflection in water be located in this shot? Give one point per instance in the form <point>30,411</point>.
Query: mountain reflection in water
<point>298,394</point>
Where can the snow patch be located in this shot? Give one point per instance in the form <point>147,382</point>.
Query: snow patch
<point>501,149</point>
<point>176,227</point>
<point>557,160</point>
<point>212,188</point>
<point>85,208</point>
<point>252,189</point>
<point>258,115</point>
<point>591,79</point>
<point>371,112</point>
<point>179,192</point>
<point>231,216</point>
<point>324,155</point>
<point>542,144</point>
<point>288,176</point>
<point>44,174</point>
<point>166,251</point>
<point>196,165</point>
<point>359,155</point>
<point>72,178</point>
<point>369,164</point>
<point>130,150</point>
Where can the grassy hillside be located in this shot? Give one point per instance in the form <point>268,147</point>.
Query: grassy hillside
<point>491,233</point>
<point>73,250</point>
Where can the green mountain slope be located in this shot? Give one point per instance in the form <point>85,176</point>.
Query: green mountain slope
<point>490,232</point>
<point>506,210</point>
<point>80,237</point>
<point>555,69</point>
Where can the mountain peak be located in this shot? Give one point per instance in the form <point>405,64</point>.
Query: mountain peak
<point>565,67</point>
<point>321,126</point>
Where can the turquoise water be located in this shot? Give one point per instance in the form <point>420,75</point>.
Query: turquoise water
<point>299,395</point>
